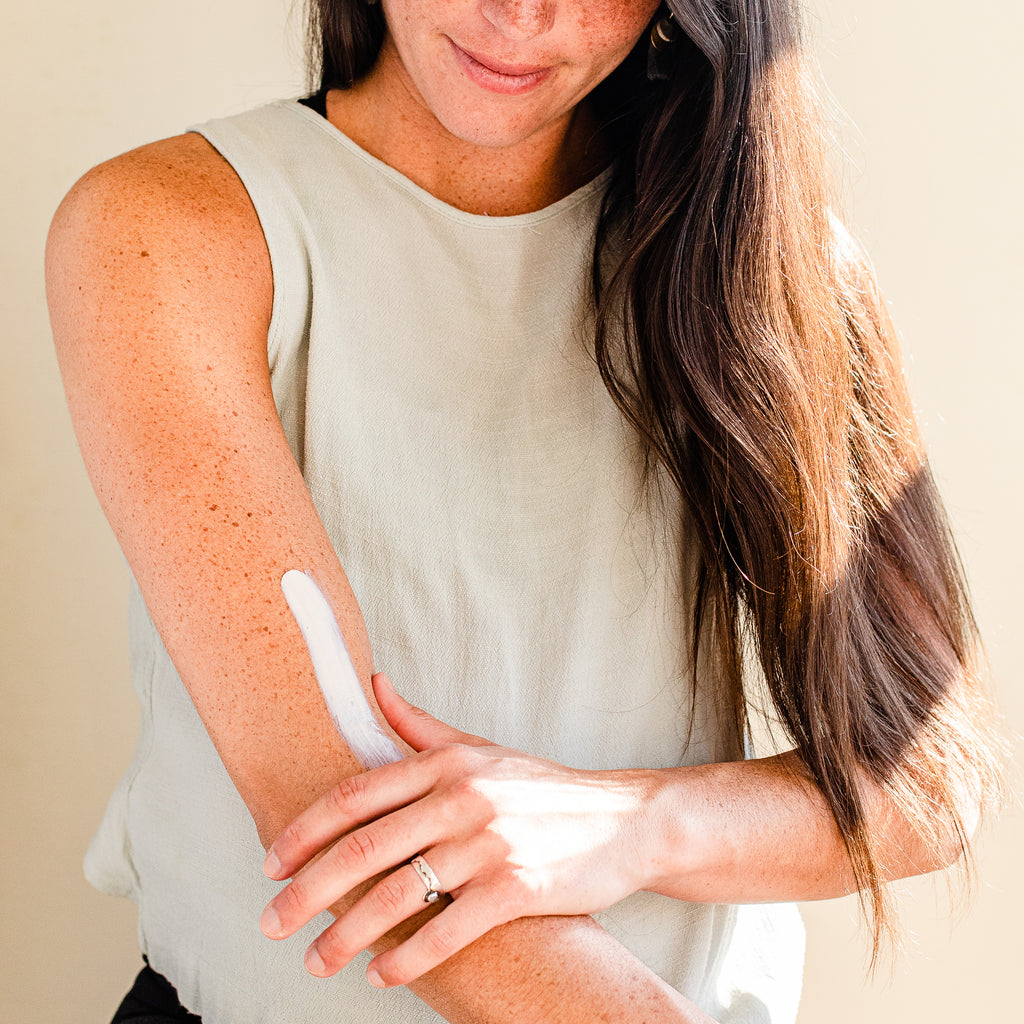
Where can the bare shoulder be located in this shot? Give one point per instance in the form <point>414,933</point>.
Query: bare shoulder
<point>166,217</point>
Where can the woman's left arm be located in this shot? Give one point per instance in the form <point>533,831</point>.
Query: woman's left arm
<point>760,831</point>
<point>510,835</point>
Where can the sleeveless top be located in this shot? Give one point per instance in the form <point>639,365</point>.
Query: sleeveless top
<point>484,495</point>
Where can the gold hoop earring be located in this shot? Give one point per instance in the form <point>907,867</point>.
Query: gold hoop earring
<point>661,41</point>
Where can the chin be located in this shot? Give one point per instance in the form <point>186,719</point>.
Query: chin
<point>487,135</point>
<point>491,128</point>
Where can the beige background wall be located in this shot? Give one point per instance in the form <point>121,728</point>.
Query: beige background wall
<point>934,181</point>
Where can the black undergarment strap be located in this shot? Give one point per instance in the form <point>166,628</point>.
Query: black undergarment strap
<point>317,102</point>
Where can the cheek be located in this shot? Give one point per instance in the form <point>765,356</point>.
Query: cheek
<point>612,27</point>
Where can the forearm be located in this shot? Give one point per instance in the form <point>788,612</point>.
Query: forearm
<point>578,972</point>
<point>477,988</point>
<point>541,970</point>
<point>760,831</point>
<point>168,383</point>
<point>279,746</point>
<point>551,970</point>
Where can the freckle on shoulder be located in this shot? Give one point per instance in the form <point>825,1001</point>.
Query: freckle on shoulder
<point>171,182</point>
<point>167,207</point>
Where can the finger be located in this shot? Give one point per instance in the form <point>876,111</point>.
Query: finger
<point>417,727</point>
<point>351,802</point>
<point>355,858</point>
<point>391,901</point>
<point>474,913</point>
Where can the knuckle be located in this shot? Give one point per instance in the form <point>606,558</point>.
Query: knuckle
<point>357,849</point>
<point>466,789</point>
<point>470,757</point>
<point>333,949</point>
<point>439,940</point>
<point>295,837</point>
<point>291,900</point>
<point>508,910</point>
<point>419,714</point>
<point>469,763</point>
<point>439,757</point>
<point>453,755</point>
<point>513,900</point>
<point>473,803</point>
<point>288,841</point>
<point>342,797</point>
<point>508,895</point>
<point>390,895</point>
<point>504,897</point>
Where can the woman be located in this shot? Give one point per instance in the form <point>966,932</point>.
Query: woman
<point>355,333</point>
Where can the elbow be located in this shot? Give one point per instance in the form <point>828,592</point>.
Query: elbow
<point>944,843</point>
<point>954,848</point>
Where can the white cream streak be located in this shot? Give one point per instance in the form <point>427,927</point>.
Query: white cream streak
<point>335,672</point>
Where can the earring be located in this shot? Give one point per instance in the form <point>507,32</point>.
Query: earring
<point>663,35</point>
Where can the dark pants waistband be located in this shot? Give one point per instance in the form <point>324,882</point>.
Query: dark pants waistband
<point>153,1000</point>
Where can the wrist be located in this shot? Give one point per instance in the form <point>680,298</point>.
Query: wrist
<point>683,852</point>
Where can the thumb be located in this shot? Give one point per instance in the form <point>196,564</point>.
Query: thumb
<point>414,725</point>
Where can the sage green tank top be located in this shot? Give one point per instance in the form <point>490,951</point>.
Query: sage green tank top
<point>432,372</point>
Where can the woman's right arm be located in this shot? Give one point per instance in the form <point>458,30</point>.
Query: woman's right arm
<point>160,291</point>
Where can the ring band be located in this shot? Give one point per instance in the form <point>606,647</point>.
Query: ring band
<point>428,878</point>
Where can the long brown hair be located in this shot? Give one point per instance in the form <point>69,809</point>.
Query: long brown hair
<point>741,332</point>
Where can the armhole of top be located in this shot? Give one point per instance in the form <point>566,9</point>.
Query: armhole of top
<point>280,218</point>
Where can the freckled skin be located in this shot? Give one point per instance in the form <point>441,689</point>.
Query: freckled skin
<point>160,292</point>
<point>487,153</point>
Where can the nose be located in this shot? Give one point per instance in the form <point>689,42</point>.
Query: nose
<point>520,19</point>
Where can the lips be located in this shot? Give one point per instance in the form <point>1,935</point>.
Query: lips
<point>500,68</point>
<point>498,76</point>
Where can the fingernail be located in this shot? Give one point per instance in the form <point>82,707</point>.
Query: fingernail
<point>271,865</point>
<point>314,961</point>
<point>374,978</point>
<point>270,923</point>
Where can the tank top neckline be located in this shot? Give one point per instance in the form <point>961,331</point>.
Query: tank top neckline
<point>590,191</point>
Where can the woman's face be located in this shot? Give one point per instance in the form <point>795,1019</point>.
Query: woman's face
<point>496,72</point>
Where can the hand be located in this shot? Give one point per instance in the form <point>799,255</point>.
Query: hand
<point>507,834</point>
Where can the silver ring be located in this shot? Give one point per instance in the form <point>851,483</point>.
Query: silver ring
<point>428,878</point>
